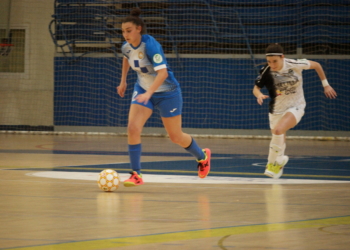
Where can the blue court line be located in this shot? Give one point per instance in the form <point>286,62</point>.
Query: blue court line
<point>328,168</point>
<point>185,154</point>
<point>236,165</point>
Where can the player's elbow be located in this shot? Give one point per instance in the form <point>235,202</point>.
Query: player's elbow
<point>255,90</point>
<point>315,65</point>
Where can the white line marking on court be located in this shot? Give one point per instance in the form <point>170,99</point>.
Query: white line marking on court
<point>152,178</point>
<point>263,164</point>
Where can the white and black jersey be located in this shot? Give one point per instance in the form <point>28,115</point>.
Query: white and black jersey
<point>285,86</point>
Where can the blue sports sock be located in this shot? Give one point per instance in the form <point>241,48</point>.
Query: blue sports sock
<point>195,150</point>
<point>135,157</point>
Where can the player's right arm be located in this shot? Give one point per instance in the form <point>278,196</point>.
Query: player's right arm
<point>125,69</point>
<point>259,96</point>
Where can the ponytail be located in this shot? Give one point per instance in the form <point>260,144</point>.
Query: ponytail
<point>135,19</point>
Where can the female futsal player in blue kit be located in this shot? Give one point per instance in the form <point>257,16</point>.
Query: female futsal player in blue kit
<point>156,87</point>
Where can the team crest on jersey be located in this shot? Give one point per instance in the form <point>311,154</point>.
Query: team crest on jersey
<point>141,55</point>
<point>157,58</point>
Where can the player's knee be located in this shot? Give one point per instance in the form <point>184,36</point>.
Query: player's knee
<point>278,131</point>
<point>134,130</point>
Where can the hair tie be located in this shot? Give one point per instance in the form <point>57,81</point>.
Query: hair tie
<point>274,54</point>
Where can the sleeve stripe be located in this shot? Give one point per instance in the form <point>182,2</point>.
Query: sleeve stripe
<point>298,63</point>
<point>162,66</point>
<point>264,70</point>
<point>292,62</point>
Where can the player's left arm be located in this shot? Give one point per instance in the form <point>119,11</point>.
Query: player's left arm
<point>328,90</point>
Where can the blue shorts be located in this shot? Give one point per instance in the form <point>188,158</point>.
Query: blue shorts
<point>169,103</point>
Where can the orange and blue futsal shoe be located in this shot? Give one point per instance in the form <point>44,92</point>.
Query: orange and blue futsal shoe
<point>134,180</point>
<point>204,165</point>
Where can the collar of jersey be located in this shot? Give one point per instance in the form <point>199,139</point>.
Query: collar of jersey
<point>284,65</point>
<point>136,46</point>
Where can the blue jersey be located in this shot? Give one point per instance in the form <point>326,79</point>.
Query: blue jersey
<point>146,59</point>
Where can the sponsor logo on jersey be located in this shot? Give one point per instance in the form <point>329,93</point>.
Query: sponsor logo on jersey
<point>286,83</point>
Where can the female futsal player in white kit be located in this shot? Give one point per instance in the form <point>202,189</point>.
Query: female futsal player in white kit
<point>283,79</point>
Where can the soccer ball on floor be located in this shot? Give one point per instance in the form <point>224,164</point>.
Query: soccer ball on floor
<point>108,180</point>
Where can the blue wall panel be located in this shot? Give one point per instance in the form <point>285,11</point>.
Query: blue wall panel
<point>217,94</point>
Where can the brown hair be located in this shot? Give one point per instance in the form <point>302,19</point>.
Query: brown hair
<point>135,19</point>
<point>274,48</point>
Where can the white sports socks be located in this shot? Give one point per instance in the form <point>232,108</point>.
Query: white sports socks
<point>277,148</point>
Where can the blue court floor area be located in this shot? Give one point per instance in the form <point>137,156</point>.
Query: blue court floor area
<point>228,165</point>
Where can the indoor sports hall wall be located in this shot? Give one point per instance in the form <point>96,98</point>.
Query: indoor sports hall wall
<point>217,94</point>
<point>54,90</point>
<point>26,95</point>
<point>217,89</point>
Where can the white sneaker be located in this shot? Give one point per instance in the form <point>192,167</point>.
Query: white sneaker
<point>276,171</point>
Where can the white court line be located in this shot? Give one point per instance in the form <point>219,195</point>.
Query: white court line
<point>151,178</point>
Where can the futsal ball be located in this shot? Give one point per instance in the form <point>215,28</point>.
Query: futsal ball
<point>108,180</point>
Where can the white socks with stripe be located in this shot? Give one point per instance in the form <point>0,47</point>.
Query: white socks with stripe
<point>277,148</point>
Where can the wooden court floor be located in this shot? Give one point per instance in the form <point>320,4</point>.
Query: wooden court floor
<point>52,213</point>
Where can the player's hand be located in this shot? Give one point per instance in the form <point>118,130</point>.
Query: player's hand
<point>260,98</point>
<point>121,89</point>
<point>330,92</point>
<point>143,98</point>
